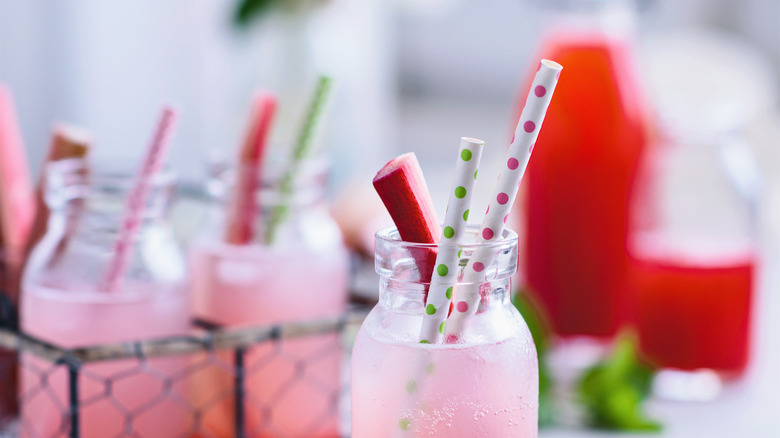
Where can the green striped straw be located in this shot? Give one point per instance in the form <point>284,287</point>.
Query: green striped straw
<point>302,151</point>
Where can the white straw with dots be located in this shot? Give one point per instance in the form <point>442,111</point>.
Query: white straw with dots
<point>500,205</point>
<point>455,221</point>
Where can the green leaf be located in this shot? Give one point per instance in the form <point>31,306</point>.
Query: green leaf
<point>612,391</point>
<point>249,10</point>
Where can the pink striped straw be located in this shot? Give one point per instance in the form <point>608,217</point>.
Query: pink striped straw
<point>492,228</point>
<point>134,208</point>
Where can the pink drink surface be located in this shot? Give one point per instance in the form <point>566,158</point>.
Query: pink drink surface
<point>292,386</point>
<point>134,403</point>
<point>469,390</point>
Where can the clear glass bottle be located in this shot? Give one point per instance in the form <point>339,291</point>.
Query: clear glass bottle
<point>64,302</point>
<point>486,384</point>
<point>694,254</point>
<point>293,386</point>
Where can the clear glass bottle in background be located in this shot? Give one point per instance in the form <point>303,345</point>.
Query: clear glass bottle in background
<point>64,303</point>
<point>578,184</point>
<point>487,384</point>
<point>694,253</point>
<point>292,386</point>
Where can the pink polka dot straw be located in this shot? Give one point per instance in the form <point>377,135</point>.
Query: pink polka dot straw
<point>445,274</point>
<point>134,207</point>
<point>506,190</point>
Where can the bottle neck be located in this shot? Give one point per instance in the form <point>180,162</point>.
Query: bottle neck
<point>96,204</point>
<point>588,19</point>
<point>277,184</point>
<point>410,297</point>
<point>404,278</point>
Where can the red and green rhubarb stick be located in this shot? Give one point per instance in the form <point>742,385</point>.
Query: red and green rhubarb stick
<point>401,185</point>
<point>243,211</point>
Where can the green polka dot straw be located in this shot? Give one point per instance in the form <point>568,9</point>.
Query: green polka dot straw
<point>455,221</point>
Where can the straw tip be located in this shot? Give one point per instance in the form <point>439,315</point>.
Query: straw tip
<point>469,141</point>
<point>551,65</point>
<point>263,97</point>
<point>169,113</point>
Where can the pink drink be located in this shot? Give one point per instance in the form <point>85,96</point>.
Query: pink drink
<point>292,386</point>
<point>137,401</point>
<point>485,388</point>
<point>64,303</point>
<point>485,385</point>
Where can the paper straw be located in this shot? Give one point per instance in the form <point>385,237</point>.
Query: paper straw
<point>243,211</point>
<point>455,221</point>
<point>136,201</point>
<point>500,205</point>
<point>303,149</point>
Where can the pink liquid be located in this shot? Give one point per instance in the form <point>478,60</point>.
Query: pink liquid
<point>134,402</point>
<point>292,386</point>
<point>477,389</point>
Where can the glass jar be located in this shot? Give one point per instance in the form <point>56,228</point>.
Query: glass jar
<point>694,254</point>
<point>64,302</point>
<point>485,384</point>
<point>579,181</point>
<point>301,274</point>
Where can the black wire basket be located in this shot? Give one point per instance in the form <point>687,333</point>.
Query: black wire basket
<point>214,382</point>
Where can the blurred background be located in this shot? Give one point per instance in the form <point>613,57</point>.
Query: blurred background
<point>411,75</point>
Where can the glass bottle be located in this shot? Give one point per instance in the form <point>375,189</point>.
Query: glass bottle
<point>579,181</point>
<point>64,302</point>
<point>486,384</point>
<point>694,254</point>
<point>299,271</point>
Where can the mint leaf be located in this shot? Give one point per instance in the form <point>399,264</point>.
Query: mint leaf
<point>249,10</point>
<point>612,391</point>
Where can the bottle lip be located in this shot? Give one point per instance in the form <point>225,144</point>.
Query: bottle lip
<point>308,183</point>
<point>107,188</point>
<point>390,236</point>
<point>81,170</point>
<point>410,262</point>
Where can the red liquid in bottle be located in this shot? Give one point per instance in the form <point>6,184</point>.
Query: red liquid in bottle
<point>578,184</point>
<point>694,314</point>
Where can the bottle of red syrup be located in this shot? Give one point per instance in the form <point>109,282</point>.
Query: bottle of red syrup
<point>579,180</point>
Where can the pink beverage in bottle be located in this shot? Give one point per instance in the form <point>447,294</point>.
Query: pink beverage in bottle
<point>64,303</point>
<point>292,386</point>
<point>485,385</point>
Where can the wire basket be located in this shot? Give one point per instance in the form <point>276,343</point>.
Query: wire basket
<point>270,381</point>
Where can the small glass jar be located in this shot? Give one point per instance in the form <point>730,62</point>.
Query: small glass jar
<point>299,271</point>
<point>694,254</point>
<point>485,384</point>
<point>64,301</point>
